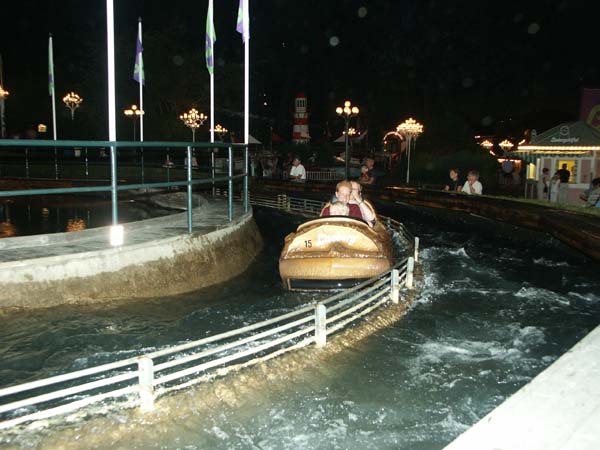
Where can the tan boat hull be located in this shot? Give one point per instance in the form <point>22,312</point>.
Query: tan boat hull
<point>334,249</point>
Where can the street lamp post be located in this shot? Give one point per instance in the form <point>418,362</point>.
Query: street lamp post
<point>411,129</point>
<point>506,145</point>
<point>72,101</point>
<point>220,130</point>
<point>3,95</point>
<point>347,111</point>
<point>193,120</point>
<point>134,113</point>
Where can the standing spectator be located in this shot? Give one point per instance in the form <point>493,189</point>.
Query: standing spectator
<point>507,171</point>
<point>543,184</point>
<point>563,189</point>
<point>454,185</point>
<point>297,172</point>
<point>554,188</point>
<point>370,163</point>
<point>472,186</point>
<point>364,175</point>
<point>591,197</point>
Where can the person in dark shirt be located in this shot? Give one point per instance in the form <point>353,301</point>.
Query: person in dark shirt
<point>563,174</point>
<point>454,185</point>
<point>563,188</point>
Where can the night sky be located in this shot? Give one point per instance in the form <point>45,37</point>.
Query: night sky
<point>459,67</point>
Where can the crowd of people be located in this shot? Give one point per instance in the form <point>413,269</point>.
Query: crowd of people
<point>348,200</point>
<point>472,186</point>
<point>552,188</point>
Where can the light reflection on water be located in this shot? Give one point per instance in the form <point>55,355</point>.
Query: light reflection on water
<point>491,314</point>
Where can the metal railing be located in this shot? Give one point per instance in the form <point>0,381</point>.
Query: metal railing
<point>144,378</point>
<point>186,148</point>
<point>322,175</point>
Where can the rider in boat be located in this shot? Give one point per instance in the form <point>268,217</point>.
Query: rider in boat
<point>349,194</point>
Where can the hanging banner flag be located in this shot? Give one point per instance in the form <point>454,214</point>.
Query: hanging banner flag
<point>243,21</point>
<point>211,37</point>
<point>138,70</point>
<point>50,67</point>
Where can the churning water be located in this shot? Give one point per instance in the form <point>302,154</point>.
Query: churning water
<point>494,309</point>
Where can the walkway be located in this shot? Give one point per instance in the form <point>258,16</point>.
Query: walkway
<point>558,410</point>
<point>207,218</point>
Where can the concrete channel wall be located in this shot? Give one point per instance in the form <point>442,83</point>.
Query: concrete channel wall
<point>162,259</point>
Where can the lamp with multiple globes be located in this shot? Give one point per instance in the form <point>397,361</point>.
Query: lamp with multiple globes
<point>410,129</point>
<point>134,113</point>
<point>506,145</point>
<point>72,101</point>
<point>193,120</point>
<point>347,111</point>
<point>220,130</point>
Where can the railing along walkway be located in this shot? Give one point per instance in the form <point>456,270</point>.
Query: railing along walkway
<point>151,375</point>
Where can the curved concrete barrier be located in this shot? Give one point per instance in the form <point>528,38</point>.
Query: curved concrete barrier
<point>156,266</point>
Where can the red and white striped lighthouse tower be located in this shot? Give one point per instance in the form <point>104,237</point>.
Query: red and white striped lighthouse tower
<point>300,132</point>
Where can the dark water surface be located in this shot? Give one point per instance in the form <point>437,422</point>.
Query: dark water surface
<point>57,214</point>
<point>495,308</point>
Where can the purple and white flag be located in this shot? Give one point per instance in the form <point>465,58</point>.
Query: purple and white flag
<point>243,20</point>
<point>138,70</point>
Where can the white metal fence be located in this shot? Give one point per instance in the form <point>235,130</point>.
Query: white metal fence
<point>322,175</point>
<point>148,376</point>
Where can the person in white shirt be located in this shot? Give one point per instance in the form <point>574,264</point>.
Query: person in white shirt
<point>297,172</point>
<point>472,186</point>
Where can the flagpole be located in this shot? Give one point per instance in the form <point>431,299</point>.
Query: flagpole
<point>141,93</point>
<point>52,89</point>
<point>247,73</point>
<point>110,43</point>
<point>212,84</point>
<point>112,117</point>
<point>246,99</point>
<point>211,37</point>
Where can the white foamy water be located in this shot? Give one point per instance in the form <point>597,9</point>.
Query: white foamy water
<point>550,263</point>
<point>542,295</point>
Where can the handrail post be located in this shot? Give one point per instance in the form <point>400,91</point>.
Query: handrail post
<point>246,179</point>
<point>116,230</point>
<point>113,184</point>
<point>142,162</point>
<point>189,188</point>
<point>320,325</point>
<point>230,184</point>
<point>212,171</point>
<point>410,267</point>
<point>55,163</point>
<point>27,162</point>
<point>416,249</point>
<point>87,167</point>
<point>395,286</point>
<point>282,201</point>
<point>146,383</point>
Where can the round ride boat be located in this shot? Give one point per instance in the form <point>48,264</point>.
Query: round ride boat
<point>334,252</point>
